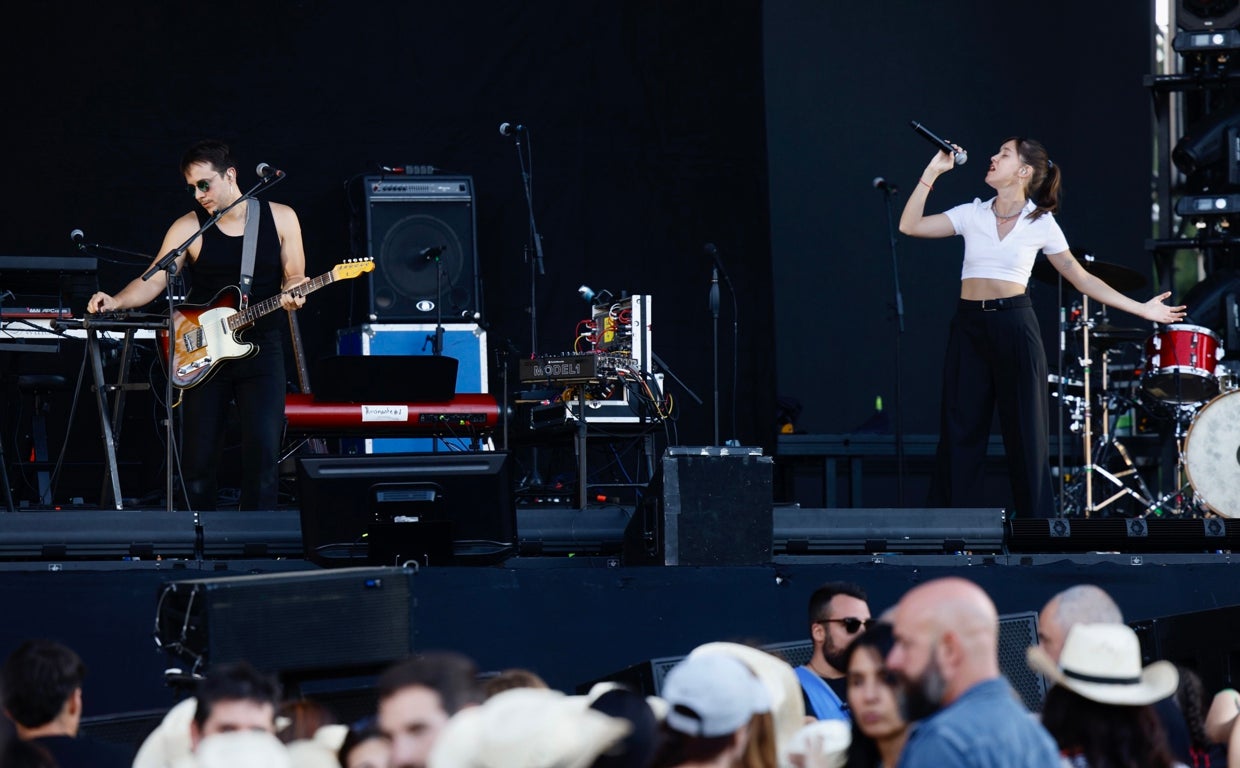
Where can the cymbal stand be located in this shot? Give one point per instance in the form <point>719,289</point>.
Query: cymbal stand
<point>1184,413</point>
<point>1092,465</point>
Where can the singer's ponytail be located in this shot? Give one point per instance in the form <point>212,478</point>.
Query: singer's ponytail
<point>1043,187</point>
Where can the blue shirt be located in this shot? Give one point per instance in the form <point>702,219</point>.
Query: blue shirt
<point>987,727</point>
<point>824,704</point>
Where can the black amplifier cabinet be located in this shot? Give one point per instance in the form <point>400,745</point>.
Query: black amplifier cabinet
<point>302,624</point>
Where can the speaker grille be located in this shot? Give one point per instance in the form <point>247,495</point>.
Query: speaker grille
<point>421,236</point>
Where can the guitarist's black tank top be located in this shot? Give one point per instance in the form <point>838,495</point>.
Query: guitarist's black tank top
<point>218,266</point>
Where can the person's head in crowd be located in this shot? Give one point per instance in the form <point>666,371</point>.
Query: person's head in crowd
<point>42,689</point>
<point>637,748</point>
<point>770,733</point>
<point>418,696</point>
<point>234,697</point>
<point>1098,708</point>
<point>711,698</point>
<point>527,728</point>
<point>299,719</point>
<point>365,746</point>
<point>879,729</point>
<point>511,678</point>
<point>946,640</point>
<point>241,749</point>
<point>838,611</point>
<point>1081,604</point>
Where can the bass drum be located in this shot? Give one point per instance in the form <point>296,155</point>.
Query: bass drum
<point>1212,455</point>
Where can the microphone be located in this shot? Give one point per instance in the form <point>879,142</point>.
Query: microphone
<point>430,252</point>
<point>713,253</point>
<point>883,185</point>
<point>510,129</point>
<point>78,236</point>
<point>961,156</point>
<point>267,173</point>
<point>714,291</point>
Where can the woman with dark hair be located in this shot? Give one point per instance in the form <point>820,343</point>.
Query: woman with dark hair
<point>1098,709</point>
<point>994,352</point>
<point>879,729</point>
<point>364,746</point>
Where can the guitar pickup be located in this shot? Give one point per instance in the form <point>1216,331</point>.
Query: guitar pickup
<point>195,365</point>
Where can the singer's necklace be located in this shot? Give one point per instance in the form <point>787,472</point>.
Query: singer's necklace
<point>1005,219</point>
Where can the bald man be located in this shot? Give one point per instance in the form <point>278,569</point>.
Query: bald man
<point>946,659</point>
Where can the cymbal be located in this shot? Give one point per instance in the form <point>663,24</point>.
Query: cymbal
<point>1117,276</point>
<point>1107,335</point>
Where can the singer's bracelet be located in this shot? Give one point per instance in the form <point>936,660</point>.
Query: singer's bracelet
<point>928,186</point>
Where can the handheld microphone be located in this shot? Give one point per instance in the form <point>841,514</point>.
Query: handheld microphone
<point>267,173</point>
<point>883,185</point>
<point>78,236</point>
<point>510,129</point>
<point>961,156</point>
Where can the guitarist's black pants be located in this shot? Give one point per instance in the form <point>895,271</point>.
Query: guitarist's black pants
<point>257,385</point>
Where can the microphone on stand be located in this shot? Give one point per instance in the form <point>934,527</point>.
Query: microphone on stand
<point>714,291</point>
<point>883,185</point>
<point>430,252</point>
<point>511,129</point>
<point>267,173</point>
<point>79,238</point>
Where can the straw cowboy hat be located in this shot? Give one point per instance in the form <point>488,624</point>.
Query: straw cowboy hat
<point>1102,662</point>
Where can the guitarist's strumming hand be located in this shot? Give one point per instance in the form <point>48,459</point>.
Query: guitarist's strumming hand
<point>291,298</point>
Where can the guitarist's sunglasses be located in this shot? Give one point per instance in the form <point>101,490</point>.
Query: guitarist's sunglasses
<point>201,185</point>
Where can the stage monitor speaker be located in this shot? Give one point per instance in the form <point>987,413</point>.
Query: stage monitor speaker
<point>807,531</point>
<point>301,624</point>
<point>704,506</point>
<point>1017,631</point>
<point>347,499</point>
<point>417,227</point>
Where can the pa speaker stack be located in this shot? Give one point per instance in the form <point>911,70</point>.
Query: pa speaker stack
<point>413,225</point>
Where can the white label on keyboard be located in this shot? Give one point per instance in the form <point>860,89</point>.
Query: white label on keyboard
<point>385,413</point>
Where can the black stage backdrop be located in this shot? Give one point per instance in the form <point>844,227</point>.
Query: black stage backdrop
<point>645,123</point>
<point>843,80</point>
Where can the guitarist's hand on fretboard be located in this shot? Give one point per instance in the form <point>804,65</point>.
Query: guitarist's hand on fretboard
<point>292,298</point>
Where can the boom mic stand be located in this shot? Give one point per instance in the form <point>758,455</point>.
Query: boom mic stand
<point>168,264</point>
<point>537,266</point>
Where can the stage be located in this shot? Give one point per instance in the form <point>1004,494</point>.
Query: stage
<point>574,617</point>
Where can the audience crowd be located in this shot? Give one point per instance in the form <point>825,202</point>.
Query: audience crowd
<point>920,685</point>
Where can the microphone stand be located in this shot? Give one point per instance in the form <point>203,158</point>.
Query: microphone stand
<point>714,313</point>
<point>168,264</point>
<point>727,281</point>
<point>888,194</point>
<point>537,268</point>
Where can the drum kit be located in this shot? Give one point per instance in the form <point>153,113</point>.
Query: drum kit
<point>1180,383</point>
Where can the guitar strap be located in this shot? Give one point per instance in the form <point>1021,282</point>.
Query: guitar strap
<point>249,246</point>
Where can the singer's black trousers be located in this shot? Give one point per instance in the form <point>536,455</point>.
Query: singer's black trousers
<point>257,385</point>
<point>995,359</point>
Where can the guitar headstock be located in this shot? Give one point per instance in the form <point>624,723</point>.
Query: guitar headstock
<point>346,270</point>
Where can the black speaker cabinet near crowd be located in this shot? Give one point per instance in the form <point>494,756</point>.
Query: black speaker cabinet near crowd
<point>420,232</point>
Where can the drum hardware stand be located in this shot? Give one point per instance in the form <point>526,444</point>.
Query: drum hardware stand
<point>1107,439</point>
<point>1183,415</point>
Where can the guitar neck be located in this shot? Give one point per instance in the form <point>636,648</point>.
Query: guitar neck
<point>248,316</point>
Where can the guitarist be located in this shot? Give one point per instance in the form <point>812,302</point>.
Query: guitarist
<point>257,383</point>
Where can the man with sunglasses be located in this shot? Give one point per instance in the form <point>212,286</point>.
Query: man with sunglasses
<point>214,262</point>
<point>838,612</point>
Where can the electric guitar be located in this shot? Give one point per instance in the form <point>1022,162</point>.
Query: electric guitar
<point>205,335</point>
